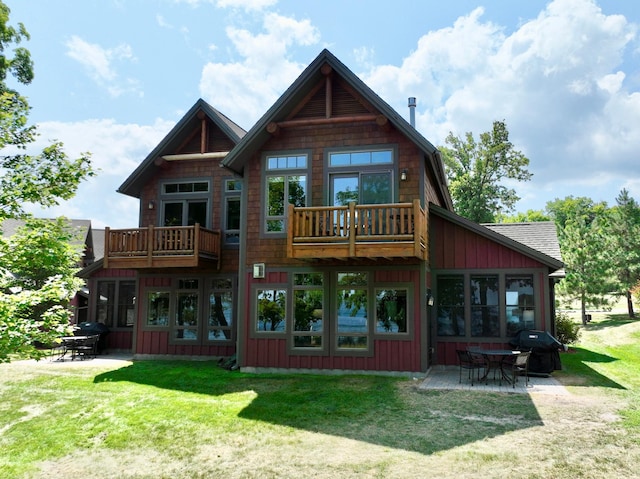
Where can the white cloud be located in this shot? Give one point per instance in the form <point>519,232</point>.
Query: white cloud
<point>557,81</point>
<point>116,149</point>
<point>99,62</point>
<point>244,89</point>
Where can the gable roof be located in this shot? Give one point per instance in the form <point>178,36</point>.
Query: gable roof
<point>535,240</point>
<point>141,175</point>
<point>541,236</point>
<point>296,93</point>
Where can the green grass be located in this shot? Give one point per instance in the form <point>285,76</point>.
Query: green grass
<point>184,419</point>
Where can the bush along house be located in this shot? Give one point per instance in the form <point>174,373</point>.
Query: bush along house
<point>322,239</point>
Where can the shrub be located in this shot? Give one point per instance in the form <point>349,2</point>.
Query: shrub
<point>567,331</point>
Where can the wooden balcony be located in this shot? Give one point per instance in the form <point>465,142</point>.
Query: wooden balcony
<point>161,247</point>
<point>397,230</point>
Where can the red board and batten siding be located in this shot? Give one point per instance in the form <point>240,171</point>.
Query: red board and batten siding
<point>389,354</point>
<point>156,342</point>
<point>457,248</point>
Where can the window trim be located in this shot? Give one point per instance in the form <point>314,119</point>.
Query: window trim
<point>286,172</point>
<point>326,335</point>
<point>539,292</point>
<point>116,299</point>
<point>258,334</point>
<point>408,287</point>
<point>185,197</point>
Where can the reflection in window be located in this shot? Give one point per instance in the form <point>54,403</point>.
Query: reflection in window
<point>451,305</point>
<point>353,326</point>
<point>520,308</point>
<point>116,303</point>
<point>391,310</point>
<point>485,312</point>
<point>220,319</point>
<point>284,186</point>
<point>158,308</point>
<point>186,321</point>
<point>271,310</point>
<point>308,325</point>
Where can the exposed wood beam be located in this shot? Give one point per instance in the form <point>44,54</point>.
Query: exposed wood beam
<point>322,121</point>
<point>214,155</point>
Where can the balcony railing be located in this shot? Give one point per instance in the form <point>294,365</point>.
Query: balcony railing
<point>161,247</point>
<point>358,231</point>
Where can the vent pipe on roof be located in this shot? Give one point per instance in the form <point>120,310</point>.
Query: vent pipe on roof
<point>412,111</point>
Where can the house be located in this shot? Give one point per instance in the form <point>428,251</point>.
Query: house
<point>322,239</point>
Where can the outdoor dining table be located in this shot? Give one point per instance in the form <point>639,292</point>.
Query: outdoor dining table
<point>496,358</point>
<point>71,343</point>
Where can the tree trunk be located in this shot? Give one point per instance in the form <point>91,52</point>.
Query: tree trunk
<point>583,308</point>
<point>630,305</point>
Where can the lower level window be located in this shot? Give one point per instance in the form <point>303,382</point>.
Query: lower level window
<point>353,325</point>
<point>271,312</point>
<point>485,309</point>
<point>520,307</point>
<point>116,303</point>
<point>308,325</point>
<point>220,321</point>
<point>391,310</point>
<point>451,305</point>
<point>187,317</point>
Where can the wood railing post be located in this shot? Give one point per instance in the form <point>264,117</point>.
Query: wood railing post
<point>196,240</point>
<point>352,228</point>
<point>107,239</point>
<point>291,216</point>
<point>150,243</point>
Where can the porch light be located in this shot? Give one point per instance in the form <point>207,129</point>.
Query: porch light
<point>403,175</point>
<point>151,205</point>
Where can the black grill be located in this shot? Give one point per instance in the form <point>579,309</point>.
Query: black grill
<point>545,356</point>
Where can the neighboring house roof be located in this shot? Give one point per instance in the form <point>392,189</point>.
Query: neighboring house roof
<point>98,244</point>
<point>536,240</point>
<point>296,93</point>
<point>86,237</point>
<point>145,171</point>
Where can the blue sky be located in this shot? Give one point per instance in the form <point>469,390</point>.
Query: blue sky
<point>114,76</point>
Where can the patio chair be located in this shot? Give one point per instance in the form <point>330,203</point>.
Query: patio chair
<point>470,362</point>
<point>520,366</point>
<point>88,347</point>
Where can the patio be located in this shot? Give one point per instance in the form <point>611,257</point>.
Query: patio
<point>448,377</point>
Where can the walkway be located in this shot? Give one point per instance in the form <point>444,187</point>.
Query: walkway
<point>448,377</point>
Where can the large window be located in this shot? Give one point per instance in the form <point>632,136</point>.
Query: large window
<point>391,310</point>
<point>271,310</point>
<point>116,303</point>
<point>286,183</point>
<point>520,307</point>
<point>157,308</point>
<point>185,203</point>
<point>194,310</point>
<point>451,305</point>
<point>485,308</point>
<point>220,320</point>
<point>352,311</point>
<point>485,305</point>
<point>187,316</point>
<point>308,314</point>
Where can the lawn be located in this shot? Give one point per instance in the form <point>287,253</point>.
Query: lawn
<point>179,419</point>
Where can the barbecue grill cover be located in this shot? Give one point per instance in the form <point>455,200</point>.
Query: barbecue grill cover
<point>94,328</point>
<point>545,357</point>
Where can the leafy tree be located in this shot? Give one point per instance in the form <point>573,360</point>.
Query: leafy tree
<point>625,241</point>
<point>475,171</point>
<point>45,179</point>
<point>584,237</point>
<point>41,261</point>
<point>531,216</point>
